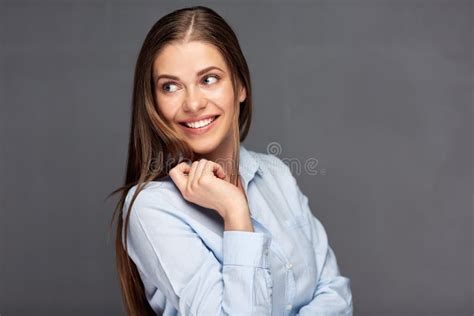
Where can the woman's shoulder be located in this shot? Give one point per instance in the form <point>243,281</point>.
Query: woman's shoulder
<point>270,163</point>
<point>161,193</point>
<point>152,187</point>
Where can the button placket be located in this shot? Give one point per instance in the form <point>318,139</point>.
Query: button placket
<point>290,285</point>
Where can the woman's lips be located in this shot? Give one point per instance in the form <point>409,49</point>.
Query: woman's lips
<point>198,119</point>
<point>200,130</point>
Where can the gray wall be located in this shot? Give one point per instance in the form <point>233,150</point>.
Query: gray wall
<point>379,92</point>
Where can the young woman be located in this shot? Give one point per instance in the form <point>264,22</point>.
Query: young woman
<point>206,226</point>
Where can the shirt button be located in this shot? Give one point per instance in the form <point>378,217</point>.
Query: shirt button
<point>288,307</point>
<point>289,265</point>
<point>266,251</point>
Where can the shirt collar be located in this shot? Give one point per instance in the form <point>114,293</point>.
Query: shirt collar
<point>248,165</point>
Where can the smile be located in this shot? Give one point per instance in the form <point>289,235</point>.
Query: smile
<point>200,124</point>
<point>200,127</point>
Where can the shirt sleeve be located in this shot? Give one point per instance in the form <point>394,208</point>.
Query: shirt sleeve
<point>173,257</point>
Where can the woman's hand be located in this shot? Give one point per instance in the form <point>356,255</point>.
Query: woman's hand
<point>204,183</point>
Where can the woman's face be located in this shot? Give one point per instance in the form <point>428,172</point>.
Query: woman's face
<point>192,83</point>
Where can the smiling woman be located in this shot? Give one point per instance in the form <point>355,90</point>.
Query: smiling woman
<point>231,233</point>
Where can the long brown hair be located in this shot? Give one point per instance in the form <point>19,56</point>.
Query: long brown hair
<point>152,142</point>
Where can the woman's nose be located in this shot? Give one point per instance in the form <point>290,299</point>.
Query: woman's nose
<point>195,100</point>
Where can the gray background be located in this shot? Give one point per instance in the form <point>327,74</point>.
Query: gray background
<point>379,92</point>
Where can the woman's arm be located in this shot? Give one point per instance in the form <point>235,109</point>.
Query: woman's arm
<point>333,293</point>
<point>173,257</point>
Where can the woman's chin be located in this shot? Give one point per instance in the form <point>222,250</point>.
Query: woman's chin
<point>203,147</point>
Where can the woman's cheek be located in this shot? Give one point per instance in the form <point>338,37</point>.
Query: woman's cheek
<point>221,96</point>
<point>166,110</point>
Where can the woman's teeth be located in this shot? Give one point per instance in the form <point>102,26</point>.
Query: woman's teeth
<point>200,124</point>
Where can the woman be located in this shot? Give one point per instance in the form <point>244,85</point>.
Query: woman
<point>230,233</point>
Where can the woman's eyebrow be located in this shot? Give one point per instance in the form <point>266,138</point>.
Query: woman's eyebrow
<point>200,72</point>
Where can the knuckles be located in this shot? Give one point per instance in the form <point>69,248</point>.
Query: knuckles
<point>204,180</point>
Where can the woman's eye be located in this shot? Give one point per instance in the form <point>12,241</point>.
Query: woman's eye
<point>213,78</point>
<point>168,84</point>
<point>169,87</point>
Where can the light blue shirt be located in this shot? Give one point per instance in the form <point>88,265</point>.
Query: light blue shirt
<point>190,266</point>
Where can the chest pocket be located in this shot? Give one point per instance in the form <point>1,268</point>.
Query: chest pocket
<point>296,227</point>
<point>297,221</point>
<point>299,230</point>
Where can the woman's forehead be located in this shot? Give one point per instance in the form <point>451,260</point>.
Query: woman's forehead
<point>188,57</point>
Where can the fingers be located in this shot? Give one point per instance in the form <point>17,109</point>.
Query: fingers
<point>186,176</point>
<point>216,169</point>
<point>199,171</point>
<point>180,174</point>
<point>207,167</point>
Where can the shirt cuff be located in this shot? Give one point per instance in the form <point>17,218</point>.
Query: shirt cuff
<point>245,248</point>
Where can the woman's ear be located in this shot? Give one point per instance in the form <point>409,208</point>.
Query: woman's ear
<point>242,93</point>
